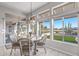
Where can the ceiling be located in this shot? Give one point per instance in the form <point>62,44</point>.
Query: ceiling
<point>24,7</point>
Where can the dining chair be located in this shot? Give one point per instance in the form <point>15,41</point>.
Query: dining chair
<point>10,44</point>
<point>26,46</point>
<point>15,45</point>
<point>41,42</point>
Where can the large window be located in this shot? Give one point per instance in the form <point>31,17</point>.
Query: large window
<point>66,30</point>
<point>58,30</point>
<point>70,29</point>
<point>45,28</point>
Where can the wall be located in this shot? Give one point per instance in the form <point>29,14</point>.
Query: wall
<point>4,10</point>
<point>1,31</point>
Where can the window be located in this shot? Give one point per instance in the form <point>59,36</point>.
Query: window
<point>66,30</point>
<point>66,7</point>
<point>69,6</point>
<point>71,30</point>
<point>58,30</point>
<point>45,28</point>
<point>58,10</point>
<point>45,14</point>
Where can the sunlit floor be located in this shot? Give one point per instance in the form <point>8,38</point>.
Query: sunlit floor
<point>41,52</point>
<point>50,52</point>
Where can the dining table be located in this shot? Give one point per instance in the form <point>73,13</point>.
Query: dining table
<point>34,40</point>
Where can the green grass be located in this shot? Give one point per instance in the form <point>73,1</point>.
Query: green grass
<point>70,39</point>
<point>58,38</point>
<point>66,38</point>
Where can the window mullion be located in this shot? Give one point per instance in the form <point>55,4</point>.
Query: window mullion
<point>62,28</point>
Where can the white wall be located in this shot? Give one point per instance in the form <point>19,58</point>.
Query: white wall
<point>1,32</point>
<point>4,10</point>
<point>1,28</point>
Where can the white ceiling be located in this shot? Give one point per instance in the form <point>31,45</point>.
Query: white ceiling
<point>24,7</point>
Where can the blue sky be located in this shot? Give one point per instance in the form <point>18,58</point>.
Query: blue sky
<point>46,24</point>
<point>73,21</point>
<point>58,23</point>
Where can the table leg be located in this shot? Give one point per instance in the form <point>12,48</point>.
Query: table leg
<point>35,48</point>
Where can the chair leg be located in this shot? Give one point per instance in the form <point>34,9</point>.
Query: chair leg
<point>20,51</point>
<point>14,51</point>
<point>45,50</point>
<point>11,51</point>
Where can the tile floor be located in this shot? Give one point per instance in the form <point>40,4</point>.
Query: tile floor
<point>41,52</point>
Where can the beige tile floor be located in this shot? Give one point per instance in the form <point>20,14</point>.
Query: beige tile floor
<point>41,52</point>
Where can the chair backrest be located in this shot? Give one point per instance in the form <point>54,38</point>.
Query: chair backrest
<point>43,38</point>
<point>25,45</point>
<point>25,40</point>
<point>13,38</point>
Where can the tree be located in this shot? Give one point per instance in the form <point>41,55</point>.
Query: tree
<point>68,28</point>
